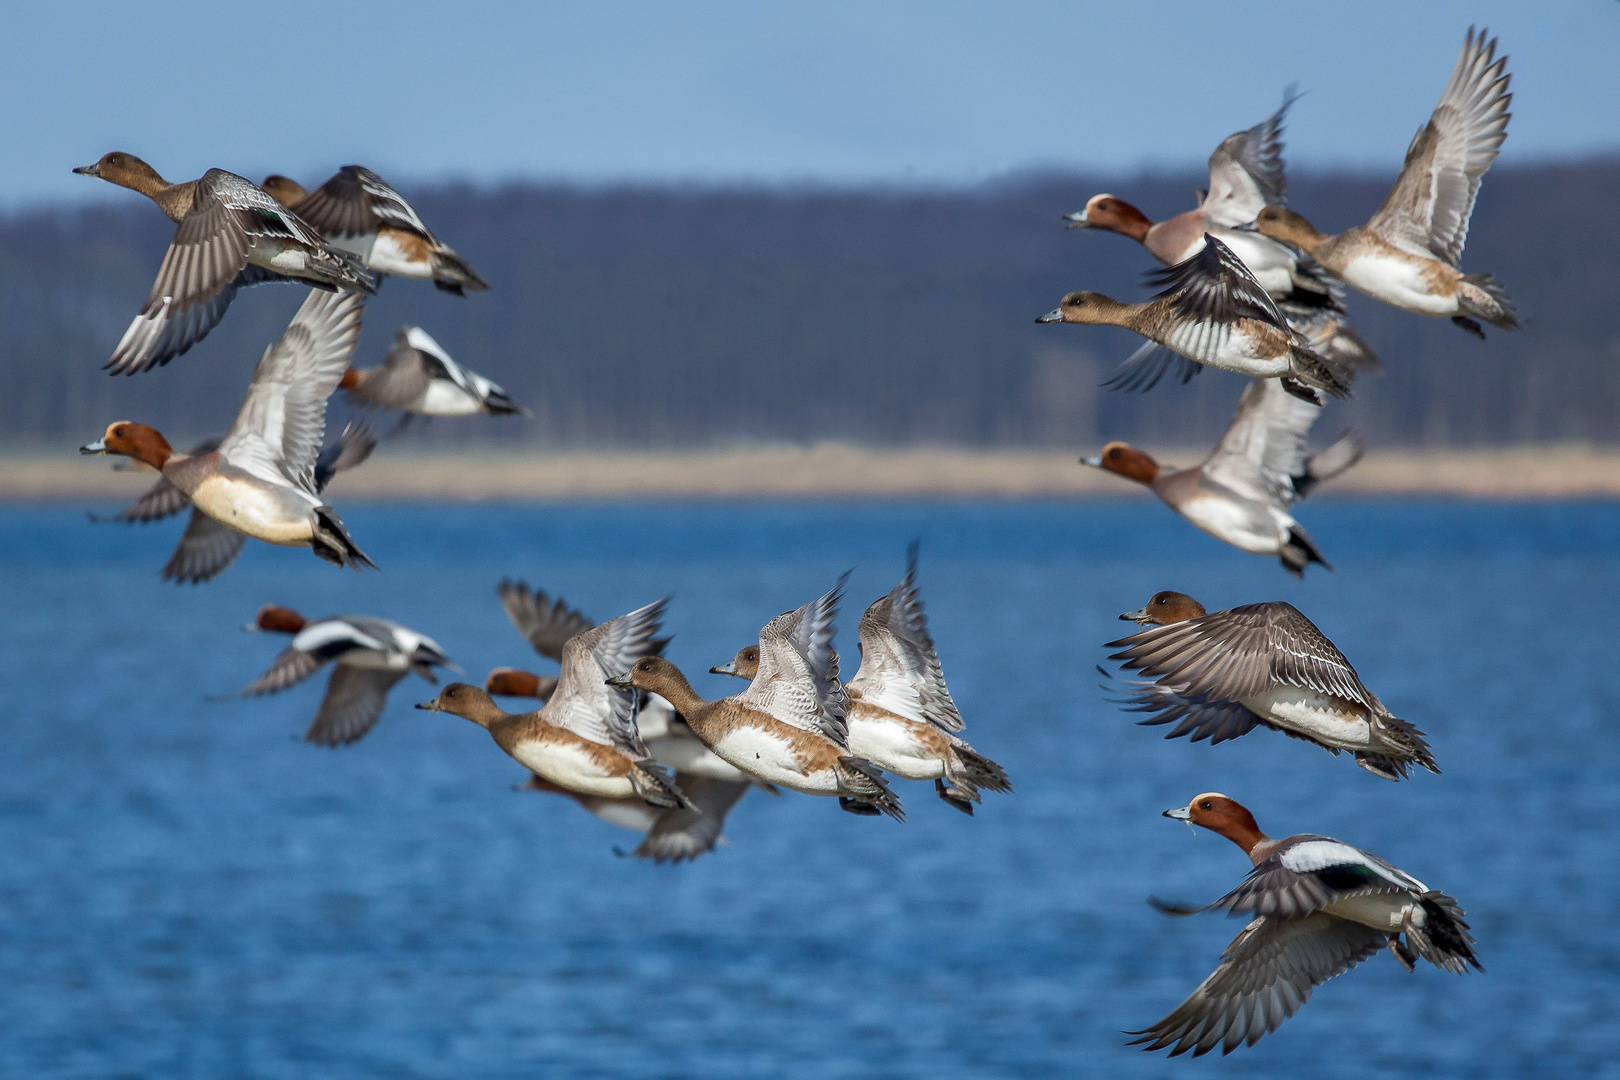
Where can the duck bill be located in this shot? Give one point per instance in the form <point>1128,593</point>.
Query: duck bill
<point>620,682</point>
<point>1095,461</point>
<point>87,170</point>
<point>1141,617</point>
<point>97,447</point>
<point>1055,315</point>
<point>728,668</point>
<point>430,706</point>
<point>1077,220</point>
<point>1179,813</point>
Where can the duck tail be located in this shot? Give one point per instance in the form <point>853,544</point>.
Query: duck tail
<point>1310,367</point>
<point>1405,747</point>
<point>656,788</point>
<point>1299,551</point>
<point>866,786</point>
<point>451,274</point>
<point>1480,296</point>
<point>1443,939</point>
<point>967,768</point>
<point>331,541</point>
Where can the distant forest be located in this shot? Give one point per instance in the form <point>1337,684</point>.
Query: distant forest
<point>669,316</point>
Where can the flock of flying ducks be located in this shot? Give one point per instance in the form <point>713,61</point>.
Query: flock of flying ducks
<point>1250,287</point>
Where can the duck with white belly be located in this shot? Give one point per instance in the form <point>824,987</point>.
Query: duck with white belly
<point>787,727</point>
<point>260,480</point>
<point>419,378</point>
<point>1213,311</point>
<point>901,716</point>
<point>584,739</point>
<point>1218,676</point>
<point>1319,908</point>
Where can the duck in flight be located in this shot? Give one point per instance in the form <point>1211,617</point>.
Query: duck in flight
<point>357,211</point>
<point>231,234</point>
<point>1406,254</point>
<point>1213,311</point>
<point>1243,493</point>
<point>260,480</point>
<point>1318,907</point>
<point>1218,676</point>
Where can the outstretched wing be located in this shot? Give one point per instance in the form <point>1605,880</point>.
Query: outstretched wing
<point>1264,447</point>
<point>546,623</point>
<point>354,701</point>
<point>680,833</point>
<point>205,549</point>
<point>900,669</point>
<point>358,202</point>
<point>797,681</point>
<point>1427,210</point>
<point>1266,974</point>
<point>277,435</point>
<point>1216,286</point>
<point>583,702</point>
<point>1246,172</point>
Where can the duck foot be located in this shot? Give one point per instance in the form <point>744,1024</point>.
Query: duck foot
<point>1465,323</point>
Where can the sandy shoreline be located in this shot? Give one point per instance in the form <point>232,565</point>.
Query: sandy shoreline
<point>834,470</point>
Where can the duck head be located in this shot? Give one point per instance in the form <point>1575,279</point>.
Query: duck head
<point>1112,213</point>
<point>467,702</point>
<point>1165,608</point>
<point>277,620</point>
<point>125,170</point>
<point>137,441</point>
<point>1220,814</point>
<point>745,665</point>
<point>1091,308</point>
<point>1127,461</point>
<point>285,191</point>
<point>1281,223</point>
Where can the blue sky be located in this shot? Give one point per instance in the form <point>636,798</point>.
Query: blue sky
<point>840,92</point>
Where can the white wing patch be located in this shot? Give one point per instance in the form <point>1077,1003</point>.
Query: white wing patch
<point>1313,855</point>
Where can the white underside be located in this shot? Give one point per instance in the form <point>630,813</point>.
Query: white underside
<point>685,754</point>
<point>445,398</point>
<point>767,757</point>
<point>1218,346</point>
<point>1326,719</point>
<point>1232,523</point>
<point>282,256</point>
<point>255,511</point>
<point>571,767</point>
<point>1382,911</point>
<point>889,743</point>
<point>1398,282</point>
<point>383,253</point>
<point>636,816</point>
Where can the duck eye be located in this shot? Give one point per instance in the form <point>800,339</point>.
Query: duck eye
<point>1206,805</point>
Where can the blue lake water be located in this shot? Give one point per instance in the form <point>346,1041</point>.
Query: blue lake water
<point>186,890</point>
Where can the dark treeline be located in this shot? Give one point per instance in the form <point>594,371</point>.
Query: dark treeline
<point>667,316</point>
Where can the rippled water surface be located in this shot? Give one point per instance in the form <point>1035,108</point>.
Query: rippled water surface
<point>186,890</point>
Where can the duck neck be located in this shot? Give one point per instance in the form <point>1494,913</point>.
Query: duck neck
<point>674,689</point>
<point>173,199</point>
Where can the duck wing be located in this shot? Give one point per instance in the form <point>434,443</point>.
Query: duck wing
<point>547,624</point>
<point>1266,974</point>
<point>797,681</point>
<point>1309,873</point>
<point>1247,173</point>
<point>358,202</point>
<point>1195,715</point>
<point>205,549</point>
<point>206,263</point>
<point>1238,653</point>
<point>1427,210</point>
<point>1215,288</point>
<point>277,435</point>
<point>1142,370</point>
<point>354,702</point>
<point>680,833</point>
<point>583,702</point>
<point>900,669</point>
<point>352,448</point>
<point>1263,449</point>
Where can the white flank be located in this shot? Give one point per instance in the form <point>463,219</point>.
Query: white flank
<point>890,743</point>
<point>572,767</point>
<point>770,758</point>
<point>1327,719</point>
<point>1399,282</point>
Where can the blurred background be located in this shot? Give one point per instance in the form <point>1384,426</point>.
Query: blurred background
<point>721,222</point>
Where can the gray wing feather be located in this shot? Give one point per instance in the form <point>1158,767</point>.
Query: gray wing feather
<point>1216,287</point>
<point>546,623</point>
<point>354,701</point>
<point>205,549</point>
<point>1266,974</point>
<point>290,668</point>
<point>679,833</point>
<point>1246,172</point>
